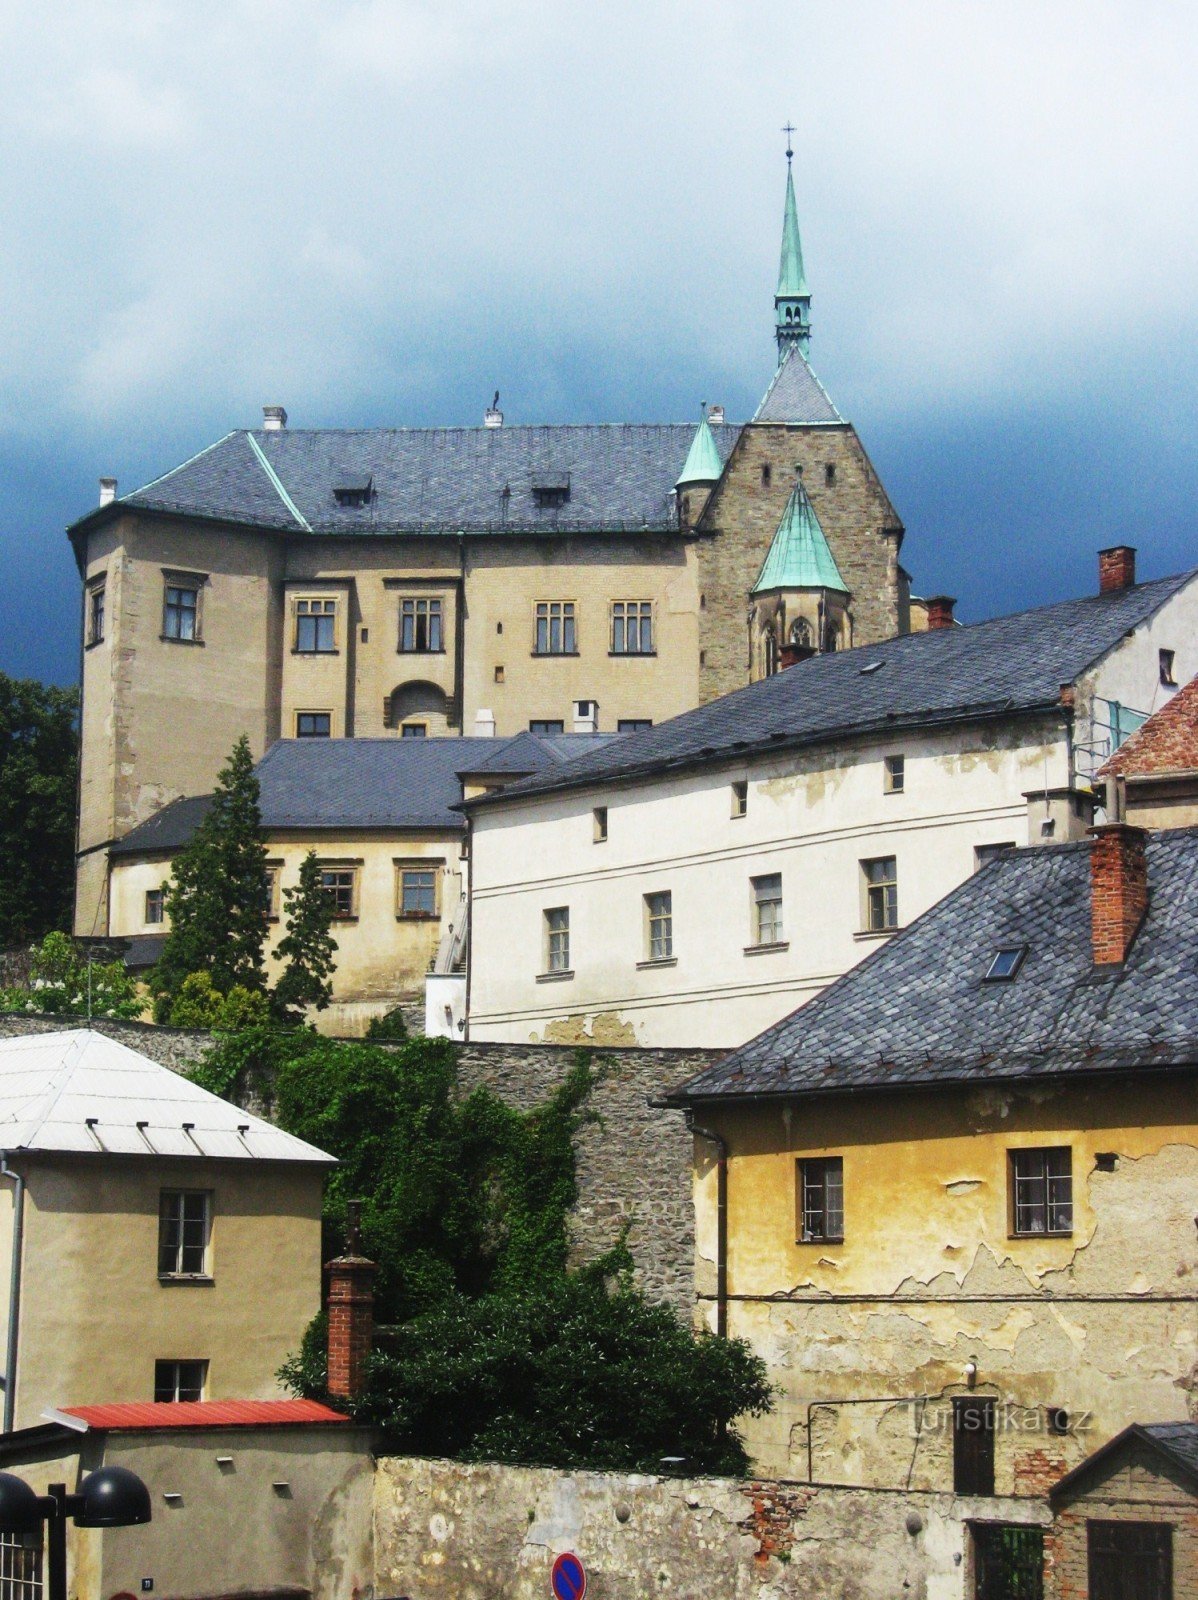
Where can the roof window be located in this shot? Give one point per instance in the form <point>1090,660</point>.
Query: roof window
<point>354,491</point>
<point>873,666</point>
<point>1006,963</point>
<point>551,493</point>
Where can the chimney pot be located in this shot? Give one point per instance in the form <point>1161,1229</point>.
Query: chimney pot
<point>274,418</point>
<point>484,724</point>
<point>1116,568</point>
<point>492,416</point>
<point>716,416</point>
<point>586,716</point>
<point>940,611</point>
<point>107,491</point>
<point>1118,889</point>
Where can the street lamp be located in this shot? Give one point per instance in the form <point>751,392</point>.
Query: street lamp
<point>113,1497</point>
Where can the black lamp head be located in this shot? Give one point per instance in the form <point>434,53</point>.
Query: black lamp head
<point>113,1497</point>
<point>20,1508</point>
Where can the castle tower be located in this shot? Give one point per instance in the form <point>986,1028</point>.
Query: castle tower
<point>792,300</point>
<point>700,474</point>
<point>799,605</point>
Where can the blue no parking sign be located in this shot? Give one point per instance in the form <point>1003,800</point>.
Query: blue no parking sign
<point>568,1579</point>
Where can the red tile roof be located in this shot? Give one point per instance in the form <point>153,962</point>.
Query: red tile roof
<point>1167,742</point>
<point>205,1414</point>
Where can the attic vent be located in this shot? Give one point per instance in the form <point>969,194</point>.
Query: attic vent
<point>551,492</point>
<point>353,491</point>
<point>874,666</point>
<point>1006,963</point>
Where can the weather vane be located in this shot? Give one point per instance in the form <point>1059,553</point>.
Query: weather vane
<point>788,130</point>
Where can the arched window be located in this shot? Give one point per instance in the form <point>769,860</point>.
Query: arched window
<point>800,633</point>
<point>770,652</point>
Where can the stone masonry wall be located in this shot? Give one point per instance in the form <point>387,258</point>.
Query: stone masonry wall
<point>634,1161</point>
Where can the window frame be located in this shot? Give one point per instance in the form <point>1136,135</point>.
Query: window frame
<point>1165,662</point>
<point>760,900</point>
<point>339,869</point>
<point>633,724</point>
<point>425,866</point>
<point>158,894</point>
<point>412,729</point>
<point>566,619</point>
<point>658,915</point>
<point>548,727</point>
<point>894,774</point>
<point>980,1486</point>
<point>313,715</point>
<point>599,825</point>
<point>180,1273</point>
<point>886,891</point>
<point>178,1363</point>
<point>329,613</point>
<point>97,605</point>
<point>178,583</point>
<point>555,951</point>
<point>812,1174</point>
<point>1102,1576</point>
<point>640,616</point>
<point>272,873</point>
<point>429,609</point>
<point>739,805</point>
<point>1051,1204</point>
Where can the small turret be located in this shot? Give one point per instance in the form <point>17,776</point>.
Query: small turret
<point>799,606</point>
<point>699,476</point>
<point>792,301</point>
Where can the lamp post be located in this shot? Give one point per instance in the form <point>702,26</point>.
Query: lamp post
<point>112,1497</point>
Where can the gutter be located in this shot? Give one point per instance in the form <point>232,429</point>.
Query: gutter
<point>14,1290</point>
<point>721,1222</point>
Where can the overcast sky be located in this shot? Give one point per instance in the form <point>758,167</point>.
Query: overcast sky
<point>379,213</point>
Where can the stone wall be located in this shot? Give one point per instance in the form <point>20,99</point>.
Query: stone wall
<point>634,1161</point>
<point>485,1532</point>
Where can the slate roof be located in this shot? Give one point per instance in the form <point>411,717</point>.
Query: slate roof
<point>920,1013</point>
<point>621,479</point>
<point>1012,664</point>
<point>1177,1442</point>
<point>796,395</point>
<point>1166,743</point>
<point>342,784</point>
<point>82,1093</point>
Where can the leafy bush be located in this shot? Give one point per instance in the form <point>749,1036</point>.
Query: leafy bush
<point>199,1004</point>
<point>60,984</point>
<point>389,1028</point>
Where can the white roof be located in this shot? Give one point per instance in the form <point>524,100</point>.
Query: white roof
<point>83,1092</point>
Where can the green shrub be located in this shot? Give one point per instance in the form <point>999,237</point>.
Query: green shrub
<point>390,1027</point>
<point>61,984</point>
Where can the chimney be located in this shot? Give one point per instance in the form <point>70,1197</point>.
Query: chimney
<point>484,724</point>
<point>274,418</point>
<point>789,655</point>
<point>1116,568</point>
<point>107,491</point>
<point>492,416</point>
<point>940,611</point>
<point>715,415</point>
<point>1118,889</point>
<point>586,716</point>
<point>351,1312</point>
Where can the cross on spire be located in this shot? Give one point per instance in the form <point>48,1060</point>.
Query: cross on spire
<point>788,130</point>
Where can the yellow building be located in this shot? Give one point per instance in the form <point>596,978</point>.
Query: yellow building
<point>156,1242</point>
<point>951,1200</point>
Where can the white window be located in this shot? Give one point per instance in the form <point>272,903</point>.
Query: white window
<point>180,1380</point>
<point>632,628</point>
<point>557,939</point>
<point>599,820</point>
<point>740,797</point>
<point>880,883</point>
<point>767,908</point>
<point>821,1200</point>
<point>418,891</point>
<point>659,925</point>
<point>555,634</point>
<point>895,774</point>
<point>184,1229</point>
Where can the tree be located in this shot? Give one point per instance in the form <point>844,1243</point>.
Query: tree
<point>308,947</point>
<point>38,772</point>
<point>217,898</point>
<point>63,983</point>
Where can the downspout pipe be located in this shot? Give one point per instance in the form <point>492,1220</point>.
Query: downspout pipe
<point>721,1221</point>
<point>14,1290</point>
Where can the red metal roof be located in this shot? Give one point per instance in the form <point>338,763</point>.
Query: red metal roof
<point>205,1414</point>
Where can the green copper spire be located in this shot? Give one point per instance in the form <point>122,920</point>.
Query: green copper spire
<point>799,557</point>
<point>792,301</point>
<point>703,464</point>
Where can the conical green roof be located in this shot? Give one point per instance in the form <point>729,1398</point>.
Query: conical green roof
<point>799,557</point>
<point>703,464</point>
<point>792,280</point>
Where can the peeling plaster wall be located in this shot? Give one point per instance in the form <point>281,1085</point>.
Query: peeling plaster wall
<point>1103,1323</point>
<point>491,1533</point>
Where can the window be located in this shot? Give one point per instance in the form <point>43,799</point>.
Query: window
<point>418,892</point>
<point>180,1380</point>
<point>829,473</point>
<point>1006,963</point>
<point>155,906</point>
<point>973,1446</point>
<point>1008,1561</point>
<point>767,908</point>
<point>599,820</point>
<point>413,730</point>
<point>557,939</point>
<point>766,474</point>
<point>1130,1560</point>
<point>313,724</point>
<point>632,628</point>
<point>180,612</point>
<point>315,627</point>
<point>881,894</point>
<point>633,724</point>
<point>740,797</point>
<point>545,725</point>
<point>821,1199</point>
<point>354,492</point>
<point>420,626</point>
<point>184,1224</point>
<point>984,854</point>
<point>95,614</point>
<point>1166,661</point>
<point>550,496</point>
<point>21,1565</point>
<point>555,628</point>
<point>659,925</point>
<point>894,775</point>
<point>340,884</point>
<point>270,892</point>
<point>1042,1191</point>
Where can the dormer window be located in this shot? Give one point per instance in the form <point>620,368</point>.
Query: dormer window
<point>552,494</point>
<point>354,492</point>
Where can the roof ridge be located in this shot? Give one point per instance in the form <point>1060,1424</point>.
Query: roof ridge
<point>277,485</point>
<point>163,476</point>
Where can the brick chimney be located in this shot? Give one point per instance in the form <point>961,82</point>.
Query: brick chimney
<point>940,611</point>
<point>351,1312</point>
<point>1116,568</point>
<point>789,655</point>
<point>1118,889</point>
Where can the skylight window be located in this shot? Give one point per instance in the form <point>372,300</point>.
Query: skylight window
<point>1006,963</point>
<point>874,666</point>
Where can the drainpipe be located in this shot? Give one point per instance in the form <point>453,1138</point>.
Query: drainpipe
<point>721,1222</point>
<point>469,866</point>
<point>14,1290</point>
